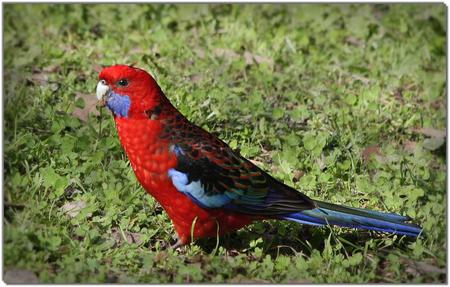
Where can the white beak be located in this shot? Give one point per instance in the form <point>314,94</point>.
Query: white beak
<point>102,90</point>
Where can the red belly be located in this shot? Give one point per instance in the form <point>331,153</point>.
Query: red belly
<point>187,216</point>
<point>151,159</point>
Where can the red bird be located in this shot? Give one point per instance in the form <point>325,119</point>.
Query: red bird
<point>203,185</point>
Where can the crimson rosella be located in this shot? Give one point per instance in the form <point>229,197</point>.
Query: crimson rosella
<point>205,187</point>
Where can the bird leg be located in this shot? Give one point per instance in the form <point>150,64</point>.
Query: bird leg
<point>176,245</point>
<point>178,242</point>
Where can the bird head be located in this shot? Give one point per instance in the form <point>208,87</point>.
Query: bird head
<point>127,91</point>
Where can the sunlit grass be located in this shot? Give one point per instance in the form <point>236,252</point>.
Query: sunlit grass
<point>326,98</point>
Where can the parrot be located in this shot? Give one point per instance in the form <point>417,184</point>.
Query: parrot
<point>207,188</point>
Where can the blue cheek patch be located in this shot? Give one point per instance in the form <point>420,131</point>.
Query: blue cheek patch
<point>118,104</point>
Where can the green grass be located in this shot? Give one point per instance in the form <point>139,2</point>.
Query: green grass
<point>303,90</point>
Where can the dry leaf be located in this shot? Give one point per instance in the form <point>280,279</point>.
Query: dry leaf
<point>225,53</point>
<point>90,106</point>
<point>252,58</point>
<point>371,150</point>
<point>52,69</point>
<point>196,78</point>
<point>20,276</point>
<point>412,271</point>
<point>430,132</point>
<point>200,53</point>
<point>321,162</point>
<point>275,169</point>
<point>263,60</point>
<point>248,58</point>
<point>73,208</point>
<point>360,78</point>
<point>130,236</point>
<point>353,41</point>
<point>409,146</point>
<point>424,267</point>
<point>297,175</point>
<point>40,78</point>
<point>438,104</point>
<point>433,143</point>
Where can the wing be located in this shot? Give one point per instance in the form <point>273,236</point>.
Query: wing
<point>213,176</point>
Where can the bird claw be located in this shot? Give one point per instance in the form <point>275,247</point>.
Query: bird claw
<point>176,245</point>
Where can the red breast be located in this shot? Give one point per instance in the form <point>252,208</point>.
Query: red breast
<point>151,159</point>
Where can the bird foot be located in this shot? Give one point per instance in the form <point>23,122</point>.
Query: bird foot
<point>176,245</point>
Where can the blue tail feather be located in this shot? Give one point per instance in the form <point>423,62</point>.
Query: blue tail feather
<point>327,213</point>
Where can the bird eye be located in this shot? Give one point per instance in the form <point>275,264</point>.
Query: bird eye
<point>122,83</point>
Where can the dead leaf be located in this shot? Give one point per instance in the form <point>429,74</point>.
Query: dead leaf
<point>196,78</point>
<point>433,143</point>
<point>73,208</point>
<point>225,53</point>
<point>275,169</point>
<point>248,58</point>
<point>409,146</point>
<point>321,162</point>
<point>52,69</point>
<point>430,132</point>
<point>416,268</point>
<point>20,276</point>
<point>252,58</point>
<point>353,41</point>
<point>297,175</point>
<point>424,267</point>
<point>200,53</point>
<point>412,271</point>
<point>130,236</point>
<point>438,104</point>
<point>360,78</point>
<point>371,150</point>
<point>40,78</point>
<point>263,60</point>
<point>90,106</point>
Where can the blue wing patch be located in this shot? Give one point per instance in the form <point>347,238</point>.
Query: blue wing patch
<point>196,191</point>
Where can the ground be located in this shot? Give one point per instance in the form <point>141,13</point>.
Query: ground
<point>346,103</point>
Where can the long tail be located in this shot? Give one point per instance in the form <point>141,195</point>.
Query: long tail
<point>328,213</point>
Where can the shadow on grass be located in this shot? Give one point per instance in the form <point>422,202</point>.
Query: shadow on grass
<point>304,242</point>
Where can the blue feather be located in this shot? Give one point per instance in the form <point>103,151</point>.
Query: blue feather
<point>328,213</point>
<point>118,104</point>
<point>196,191</point>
